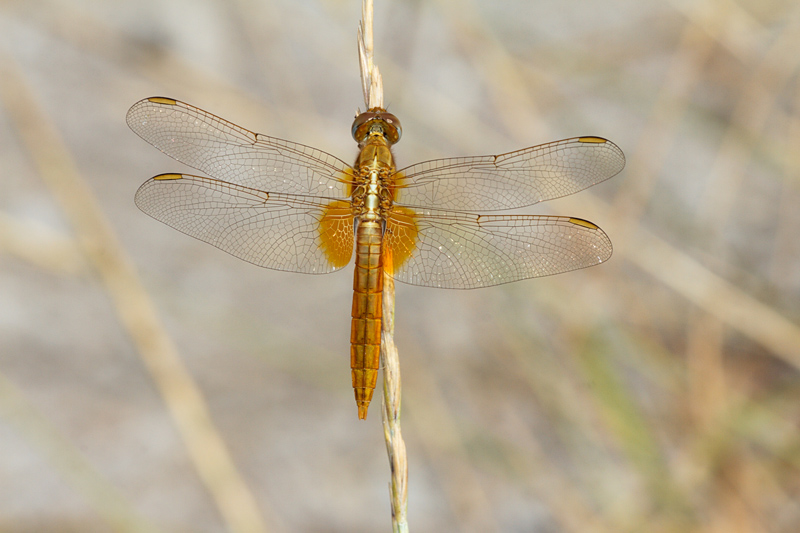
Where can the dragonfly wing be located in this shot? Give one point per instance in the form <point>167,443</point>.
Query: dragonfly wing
<point>508,181</point>
<point>467,251</point>
<point>231,153</point>
<point>274,230</point>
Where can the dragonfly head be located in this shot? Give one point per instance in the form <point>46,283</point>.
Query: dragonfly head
<point>377,121</point>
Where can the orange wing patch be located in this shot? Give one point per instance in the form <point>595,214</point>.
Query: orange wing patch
<point>400,239</point>
<point>336,233</point>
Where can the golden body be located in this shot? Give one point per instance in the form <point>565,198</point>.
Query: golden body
<point>371,201</point>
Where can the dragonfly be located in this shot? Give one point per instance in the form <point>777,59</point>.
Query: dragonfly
<point>286,206</point>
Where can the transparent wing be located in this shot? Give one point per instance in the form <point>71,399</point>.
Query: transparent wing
<point>508,181</point>
<point>466,251</point>
<point>274,230</point>
<point>230,153</point>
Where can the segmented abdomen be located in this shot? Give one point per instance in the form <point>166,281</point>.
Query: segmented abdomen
<point>365,333</point>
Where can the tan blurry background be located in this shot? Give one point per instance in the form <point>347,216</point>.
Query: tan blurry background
<point>149,381</point>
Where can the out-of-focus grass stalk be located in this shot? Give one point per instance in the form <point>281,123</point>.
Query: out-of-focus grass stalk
<point>372,86</point>
<point>135,310</point>
<point>39,245</point>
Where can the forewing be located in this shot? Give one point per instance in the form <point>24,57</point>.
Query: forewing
<point>466,251</point>
<point>286,232</point>
<point>508,181</point>
<point>230,153</point>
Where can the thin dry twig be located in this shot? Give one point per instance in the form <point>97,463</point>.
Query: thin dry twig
<point>372,86</point>
<point>390,410</point>
<point>371,81</point>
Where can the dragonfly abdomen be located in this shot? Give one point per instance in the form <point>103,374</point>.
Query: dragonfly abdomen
<point>365,333</point>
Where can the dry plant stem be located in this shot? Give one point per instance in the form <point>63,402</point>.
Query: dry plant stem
<point>371,81</point>
<point>390,412</point>
<point>372,85</point>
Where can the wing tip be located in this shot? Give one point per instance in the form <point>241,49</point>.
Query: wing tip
<point>134,120</point>
<point>591,139</point>
<point>608,249</point>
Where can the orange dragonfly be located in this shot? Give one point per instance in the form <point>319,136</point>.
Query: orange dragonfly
<point>286,206</point>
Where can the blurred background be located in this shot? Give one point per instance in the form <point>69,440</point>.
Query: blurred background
<point>150,382</point>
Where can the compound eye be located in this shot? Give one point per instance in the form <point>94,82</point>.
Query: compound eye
<point>361,127</point>
<point>393,130</point>
<point>387,123</point>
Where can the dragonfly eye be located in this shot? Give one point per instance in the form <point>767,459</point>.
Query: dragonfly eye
<point>380,120</point>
